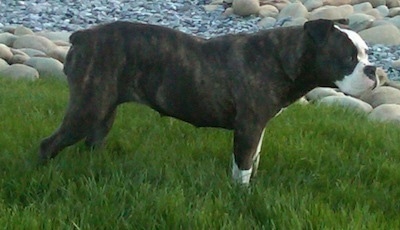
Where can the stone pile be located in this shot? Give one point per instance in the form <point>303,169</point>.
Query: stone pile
<point>377,21</point>
<point>25,54</point>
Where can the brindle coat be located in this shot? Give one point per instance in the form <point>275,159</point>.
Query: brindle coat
<point>236,82</point>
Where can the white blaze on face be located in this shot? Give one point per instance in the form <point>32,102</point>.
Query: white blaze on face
<point>357,82</point>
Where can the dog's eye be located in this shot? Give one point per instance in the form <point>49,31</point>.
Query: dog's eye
<point>351,59</point>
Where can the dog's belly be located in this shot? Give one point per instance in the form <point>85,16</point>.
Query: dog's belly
<point>192,99</point>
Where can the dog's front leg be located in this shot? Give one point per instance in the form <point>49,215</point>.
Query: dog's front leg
<point>247,147</point>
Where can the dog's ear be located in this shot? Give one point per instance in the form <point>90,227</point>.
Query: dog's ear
<point>319,30</point>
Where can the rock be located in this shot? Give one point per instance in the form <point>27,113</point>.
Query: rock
<point>347,102</point>
<point>55,36</point>
<point>32,52</point>
<point>360,21</point>
<point>7,38</point>
<point>228,12</point>
<point>19,71</point>
<point>266,23</point>
<point>280,4</point>
<point>313,4</point>
<point>396,64</point>
<point>386,113</point>
<point>210,7</point>
<point>268,11</point>
<point>5,52</point>
<point>295,22</point>
<point>218,2</point>
<point>383,10</point>
<point>394,11</point>
<point>376,3</point>
<point>321,92</point>
<point>294,10</point>
<point>303,101</point>
<point>331,12</point>
<point>245,7</point>
<point>3,64</point>
<point>392,3</point>
<point>375,13</point>
<point>59,53</point>
<point>21,30</point>
<point>34,42</point>
<point>19,59</point>
<point>384,34</point>
<point>395,21</point>
<point>336,2</point>
<point>382,95</point>
<point>362,7</point>
<point>47,67</point>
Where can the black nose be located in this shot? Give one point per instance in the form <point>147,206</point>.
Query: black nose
<point>370,71</point>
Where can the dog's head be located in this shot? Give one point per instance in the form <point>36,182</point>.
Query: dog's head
<point>341,58</point>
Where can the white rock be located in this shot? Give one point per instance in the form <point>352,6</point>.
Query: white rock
<point>347,102</point>
<point>22,30</point>
<point>7,38</point>
<point>5,52</point>
<point>321,92</point>
<point>386,113</point>
<point>268,11</point>
<point>382,95</point>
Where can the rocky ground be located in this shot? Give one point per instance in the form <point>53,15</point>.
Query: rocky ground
<point>34,33</point>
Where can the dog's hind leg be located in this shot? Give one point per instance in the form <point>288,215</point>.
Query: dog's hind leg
<point>100,130</point>
<point>72,129</point>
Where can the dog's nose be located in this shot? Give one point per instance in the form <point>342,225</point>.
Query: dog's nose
<point>370,71</point>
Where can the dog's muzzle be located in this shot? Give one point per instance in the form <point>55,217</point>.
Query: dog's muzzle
<point>370,72</point>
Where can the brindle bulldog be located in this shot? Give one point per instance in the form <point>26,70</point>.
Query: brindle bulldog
<point>236,82</point>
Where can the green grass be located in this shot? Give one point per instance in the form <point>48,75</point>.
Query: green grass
<point>321,168</point>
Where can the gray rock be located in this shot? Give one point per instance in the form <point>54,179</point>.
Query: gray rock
<point>266,23</point>
<point>3,64</point>
<point>362,7</point>
<point>55,36</point>
<point>360,21</point>
<point>19,59</point>
<point>32,52</point>
<point>47,67</point>
<point>385,34</point>
<point>19,71</point>
<point>34,42</point>
<point>313,4</point>
<point>246,7</point>
<point>386,113</point>
<point>294,10</point>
